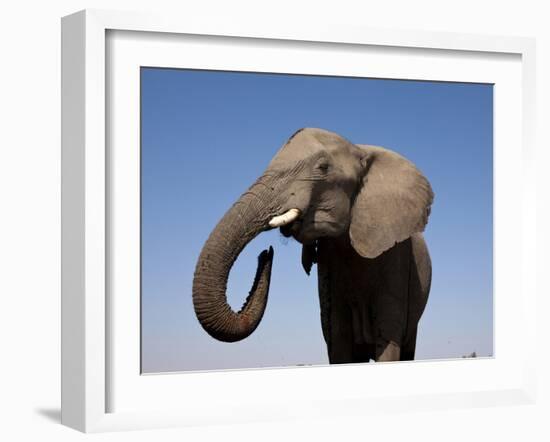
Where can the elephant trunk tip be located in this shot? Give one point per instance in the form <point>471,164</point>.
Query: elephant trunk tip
<point>265,260</point>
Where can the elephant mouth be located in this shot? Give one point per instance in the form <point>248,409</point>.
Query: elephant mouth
<point>300,230</point>
<point>289,222</point>
<point>292,229</point>
<point>306,230</point>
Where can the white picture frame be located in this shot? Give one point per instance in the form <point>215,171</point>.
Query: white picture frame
<point>88,322</point>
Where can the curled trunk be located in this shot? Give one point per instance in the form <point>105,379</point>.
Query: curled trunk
<point>243,221</point>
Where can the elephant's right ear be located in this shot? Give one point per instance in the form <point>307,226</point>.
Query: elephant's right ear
<point>392,203</point>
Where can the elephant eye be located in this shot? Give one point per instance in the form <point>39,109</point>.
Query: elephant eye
<point>323,167</point>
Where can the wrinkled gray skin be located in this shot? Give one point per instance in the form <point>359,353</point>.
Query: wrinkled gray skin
<point>363,209</point>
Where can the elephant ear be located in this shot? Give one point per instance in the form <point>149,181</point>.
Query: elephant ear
<point>393,202</point>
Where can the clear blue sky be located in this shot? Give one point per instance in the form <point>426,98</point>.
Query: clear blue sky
<point>206,136</point>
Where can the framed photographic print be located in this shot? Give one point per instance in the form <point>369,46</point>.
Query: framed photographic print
<point>251,212</point>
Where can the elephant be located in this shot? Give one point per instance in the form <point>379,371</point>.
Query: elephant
<point>359,212</point>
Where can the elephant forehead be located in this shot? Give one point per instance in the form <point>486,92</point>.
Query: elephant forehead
<point>297,150</point>
<point>309,144</point>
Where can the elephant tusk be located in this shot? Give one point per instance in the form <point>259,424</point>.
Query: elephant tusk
<point>285,218</point>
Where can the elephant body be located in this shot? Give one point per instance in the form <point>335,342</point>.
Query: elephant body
<point>370,307</point>
<point>358,211</point>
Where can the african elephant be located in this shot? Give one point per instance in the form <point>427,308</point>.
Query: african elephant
<point>358,212</point>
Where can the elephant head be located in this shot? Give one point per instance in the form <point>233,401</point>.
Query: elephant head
<point>318,185</point>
